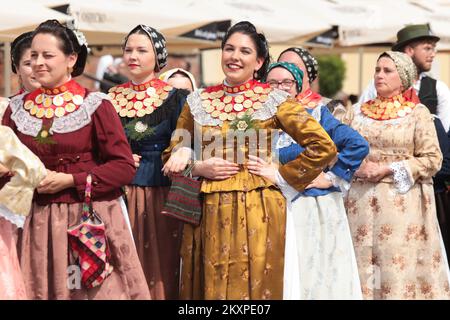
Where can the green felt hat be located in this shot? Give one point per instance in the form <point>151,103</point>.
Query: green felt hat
<point>411,33</point>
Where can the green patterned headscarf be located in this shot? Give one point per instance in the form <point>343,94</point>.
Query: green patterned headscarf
<point>405,67</point>
<point>292,68</point>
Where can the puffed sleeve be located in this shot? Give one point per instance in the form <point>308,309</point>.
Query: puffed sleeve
<point>293,119</point>
<point>427,158</point>
<point>16,196</point>
<point>183,134</point>
<point>117,168</point>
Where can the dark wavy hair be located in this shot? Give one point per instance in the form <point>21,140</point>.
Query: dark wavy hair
<point>69,43</point>
<point>18,48</point>
<point>259,40</point>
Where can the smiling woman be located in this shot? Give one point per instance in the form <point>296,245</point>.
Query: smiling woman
<point>237,251</point>
<point>74,133</point>
<point>149,109</point>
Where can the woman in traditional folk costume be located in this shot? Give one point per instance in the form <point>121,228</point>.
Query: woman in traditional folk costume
<point>237,251</point>
<point>21,171</point>
<point>74,133</point>
<point>390,206</point>
<point>319,257</point>
<point>307,63</point>
<point>149,109</point>
<point>179,78</point>
<point>21,66</point>
<point>15,204</point>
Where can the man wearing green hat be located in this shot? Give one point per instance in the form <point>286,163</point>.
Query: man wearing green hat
<point>419,43</point>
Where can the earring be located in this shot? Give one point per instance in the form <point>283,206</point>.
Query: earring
<point>69,70</point>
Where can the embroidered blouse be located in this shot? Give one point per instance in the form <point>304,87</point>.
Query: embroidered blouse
<point>81,140</point>
<point>211,113</point>
<point>149,114</point>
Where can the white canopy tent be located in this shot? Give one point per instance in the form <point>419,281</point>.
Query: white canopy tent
<point>105,22</point>
<point>17,17</point>
<point>369,22</point>
<point>437,14</point>
<point>281,21</point>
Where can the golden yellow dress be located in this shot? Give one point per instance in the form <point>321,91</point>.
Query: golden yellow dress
<point>237,251</point>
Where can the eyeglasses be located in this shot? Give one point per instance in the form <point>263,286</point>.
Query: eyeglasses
<point>283,84</point>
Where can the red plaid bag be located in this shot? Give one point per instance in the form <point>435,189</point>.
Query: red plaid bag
<point>89,245</point>
<point>183,201</point>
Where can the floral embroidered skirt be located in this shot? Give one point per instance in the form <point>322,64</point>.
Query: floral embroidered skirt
<point>320,261</point>
<point>238,250</point>
<point>46,264</point>
<point>157,238</point>
<point>397,241</point>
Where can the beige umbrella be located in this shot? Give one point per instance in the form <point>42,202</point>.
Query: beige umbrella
<point>280,21</point>
<point>17,17</point>
<point>362,23</point>
<point>105,22</point>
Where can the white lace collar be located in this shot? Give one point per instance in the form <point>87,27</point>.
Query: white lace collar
<point>29,125</point>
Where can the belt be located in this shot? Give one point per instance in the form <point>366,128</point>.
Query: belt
<point>66,158</point>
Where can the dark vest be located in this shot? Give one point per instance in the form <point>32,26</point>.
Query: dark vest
<point>428,93</point>
<point>428,97</point>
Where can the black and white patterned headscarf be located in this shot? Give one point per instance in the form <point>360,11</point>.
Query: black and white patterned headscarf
<point>311,64</point>
<point>158,42</point>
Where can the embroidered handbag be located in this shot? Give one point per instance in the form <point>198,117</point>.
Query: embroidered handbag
<point>183,201</point>
<point>89,245</point>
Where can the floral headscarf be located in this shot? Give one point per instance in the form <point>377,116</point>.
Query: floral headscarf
<point>405,67</point>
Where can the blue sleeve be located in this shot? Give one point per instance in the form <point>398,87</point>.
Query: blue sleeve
<point>352,147</point>
<point>290,153</point>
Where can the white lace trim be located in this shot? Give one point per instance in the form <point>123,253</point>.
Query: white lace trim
<point>338,182</point>
<point>80,118</point>
<point>268,109</point>
<point>15,219</point>
<point>29,125</point>
<point>402,179</point>
<point>288,192</point>
<point>284,140</point>
<point>317,113</point>
<point>25,123</point>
